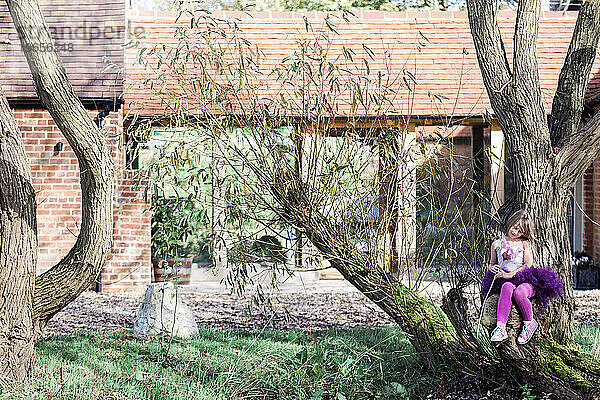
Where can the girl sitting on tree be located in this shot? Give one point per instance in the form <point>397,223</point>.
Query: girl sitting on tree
<point>511,273</point>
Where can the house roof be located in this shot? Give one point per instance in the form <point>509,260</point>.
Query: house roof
<point>87,33</point>
<point>433,47</point>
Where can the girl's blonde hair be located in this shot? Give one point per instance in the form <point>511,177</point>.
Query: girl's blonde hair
<point>522,218</point>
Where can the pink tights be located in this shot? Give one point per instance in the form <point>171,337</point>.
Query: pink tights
<point>522,294</point>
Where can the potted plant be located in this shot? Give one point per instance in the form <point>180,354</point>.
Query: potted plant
<point>585,271</point>
<point>172,224</point>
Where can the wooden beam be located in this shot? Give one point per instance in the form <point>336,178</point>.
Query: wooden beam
<point>496,156</point>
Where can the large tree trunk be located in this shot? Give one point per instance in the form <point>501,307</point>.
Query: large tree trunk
<point>546,165</point>
<point>544,179</point>
<point>26,306</point>
<point>18,250</point>
<point>544,173</point>
<point>77,270</point>
<point>540,191</point>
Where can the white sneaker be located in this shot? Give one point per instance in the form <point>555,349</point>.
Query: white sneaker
<point>527,332</point>
<point>499,334</point>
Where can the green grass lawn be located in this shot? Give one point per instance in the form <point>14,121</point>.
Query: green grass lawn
<point>349,363</point>
<point>588,339</point>
<point>338,364</point>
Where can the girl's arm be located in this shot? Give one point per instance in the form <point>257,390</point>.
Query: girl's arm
<point>493,267</point>
<point>527,254</point>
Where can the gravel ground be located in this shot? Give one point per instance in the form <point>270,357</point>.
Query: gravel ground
<point>92,311</point>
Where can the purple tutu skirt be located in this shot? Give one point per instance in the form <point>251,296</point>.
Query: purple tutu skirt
<point>546,283</point>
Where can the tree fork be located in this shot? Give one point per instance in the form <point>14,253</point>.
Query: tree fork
<point>77,270</point>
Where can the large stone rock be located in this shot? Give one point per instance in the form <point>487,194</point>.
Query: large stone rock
<point>163,311</point>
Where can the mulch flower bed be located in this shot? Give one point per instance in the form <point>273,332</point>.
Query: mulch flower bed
<point>110,311</point>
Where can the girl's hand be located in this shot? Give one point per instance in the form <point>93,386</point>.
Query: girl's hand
<point>494,269</point>
<point>502,274</point>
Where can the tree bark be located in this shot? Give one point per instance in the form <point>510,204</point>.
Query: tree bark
<point>26,302</point>
<point>18,250</point>
<point>544,179</point>
<point>61,284</point>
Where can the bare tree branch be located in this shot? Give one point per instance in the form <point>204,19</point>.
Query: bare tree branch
<point>580,151</point>
<point>525,40</point>
<point>495,68</point>
<point>78,269</point>
<point>525,64</point>
<point>574,76</point>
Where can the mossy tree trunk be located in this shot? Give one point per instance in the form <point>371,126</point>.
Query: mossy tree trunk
<point>27,303</point>
<point>439,334</point>
<point>548,155</point>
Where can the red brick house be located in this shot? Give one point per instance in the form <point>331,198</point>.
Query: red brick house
<point>440,55</point>
<point>87,35</point>
<point>437,49</point>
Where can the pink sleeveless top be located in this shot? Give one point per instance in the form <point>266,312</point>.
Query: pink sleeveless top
<point>509,257</point>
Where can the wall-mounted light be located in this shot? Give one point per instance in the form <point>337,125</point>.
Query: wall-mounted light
<point>58,147</point>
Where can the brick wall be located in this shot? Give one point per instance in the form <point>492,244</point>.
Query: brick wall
<point>591,207</point>
<point>55,177</point>
<point>129,263</point>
